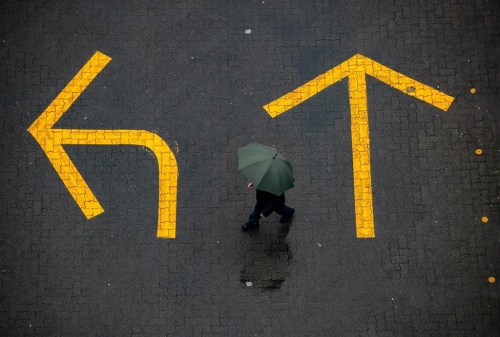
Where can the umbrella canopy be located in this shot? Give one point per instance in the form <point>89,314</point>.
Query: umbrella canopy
<point>266,168</point>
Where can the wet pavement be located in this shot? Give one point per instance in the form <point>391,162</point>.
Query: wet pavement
<point>122,204</point>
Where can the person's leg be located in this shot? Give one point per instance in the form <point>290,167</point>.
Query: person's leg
<point>285,212</point>
<point>253,219</point>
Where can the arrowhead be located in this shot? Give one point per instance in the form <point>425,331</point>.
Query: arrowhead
<point>355,65</point>
<point>51,141</point>
<point>70,93</point>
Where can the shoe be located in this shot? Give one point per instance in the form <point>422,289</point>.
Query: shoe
<point>285,219</point>
<point>250,226</point>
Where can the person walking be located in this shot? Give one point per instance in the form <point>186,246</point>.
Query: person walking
<point>267,203</point>
<point>272,175</point>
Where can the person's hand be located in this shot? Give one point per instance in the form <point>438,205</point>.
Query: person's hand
<point>250,185</point>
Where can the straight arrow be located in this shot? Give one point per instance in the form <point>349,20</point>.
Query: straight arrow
<point>355,69</point>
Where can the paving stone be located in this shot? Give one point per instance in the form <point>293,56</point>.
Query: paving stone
<point>187,72</point>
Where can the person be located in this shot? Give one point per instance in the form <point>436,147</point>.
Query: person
<point>266,204</point>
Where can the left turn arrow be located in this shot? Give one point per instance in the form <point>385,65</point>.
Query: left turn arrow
<point>52,140</point>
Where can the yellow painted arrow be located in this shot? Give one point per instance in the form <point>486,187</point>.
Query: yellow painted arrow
<point>355,69</point>
<point>52,140</point>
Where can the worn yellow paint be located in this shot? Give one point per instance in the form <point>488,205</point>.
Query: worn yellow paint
<point>473,91</point>
<point>52,140</point>
<point>479,152</point>
<point>484,219</point>
<point>355,69</point>
<point>491,279</point>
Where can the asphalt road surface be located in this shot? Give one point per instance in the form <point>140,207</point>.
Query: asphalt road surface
<point>121,203</point>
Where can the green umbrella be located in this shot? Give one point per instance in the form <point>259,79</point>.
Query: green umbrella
<point>266,168</point>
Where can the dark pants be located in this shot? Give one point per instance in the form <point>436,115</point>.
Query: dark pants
<point>283,210</point>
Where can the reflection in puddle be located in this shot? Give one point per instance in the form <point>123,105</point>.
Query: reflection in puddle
<point>266,257</point>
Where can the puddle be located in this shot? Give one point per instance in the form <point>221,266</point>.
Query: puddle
<point>266,256</point>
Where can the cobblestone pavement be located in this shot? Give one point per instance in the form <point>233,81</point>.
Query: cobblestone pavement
<point>397,198</point>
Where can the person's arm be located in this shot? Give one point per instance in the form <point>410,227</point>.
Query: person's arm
<point>250,186</point>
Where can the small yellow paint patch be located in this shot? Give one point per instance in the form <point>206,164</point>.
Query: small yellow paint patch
<point>491,279</point>
<point>355,69</point>
<point>479,152</point>
<point>52,140</point>
<point>484,219</point>
<point>473,91</point>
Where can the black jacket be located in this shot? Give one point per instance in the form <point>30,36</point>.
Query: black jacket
<point>268,202</point>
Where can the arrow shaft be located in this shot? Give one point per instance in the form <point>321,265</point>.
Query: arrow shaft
<point>81,192</point>
<point>167,165</point>
<point>363,205</point>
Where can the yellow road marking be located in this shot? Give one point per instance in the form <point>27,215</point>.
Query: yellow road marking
<point>52,141</point>
<point>355,69</point>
